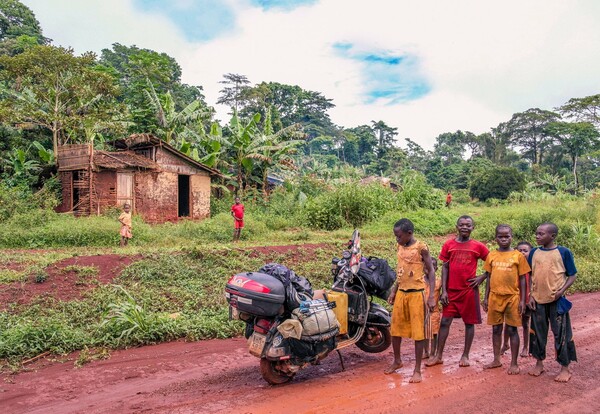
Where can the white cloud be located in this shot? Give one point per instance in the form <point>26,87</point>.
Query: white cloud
<point>484,60</point>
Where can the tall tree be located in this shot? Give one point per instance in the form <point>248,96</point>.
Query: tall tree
<point>583,109</point>
<point>450,147</point>
<point>528,131</point>
<point>134,68</point>
<point>231,94</point>
<point>19,28</point>
<point>385,136</point>
<point>50,87</point>
<point>575,139</point>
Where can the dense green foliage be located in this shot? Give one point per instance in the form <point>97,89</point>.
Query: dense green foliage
<point>496,183</point>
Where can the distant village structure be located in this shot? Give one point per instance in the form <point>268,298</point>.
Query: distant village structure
<point>160,183</point>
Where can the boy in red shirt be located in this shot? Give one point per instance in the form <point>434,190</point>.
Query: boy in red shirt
<point>460,287</point>
<point>237,211</point>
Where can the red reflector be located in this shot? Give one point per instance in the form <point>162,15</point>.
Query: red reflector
<point>248,284</point>
<point>263,326</point>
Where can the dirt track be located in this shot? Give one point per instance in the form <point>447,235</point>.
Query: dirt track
<point>220,376</point>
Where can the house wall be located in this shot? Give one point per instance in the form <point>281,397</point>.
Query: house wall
<point>156,196</point>
<point>200,188</point>
<point>105,191</point>
<point>66,180</point>
<point>171,163</point>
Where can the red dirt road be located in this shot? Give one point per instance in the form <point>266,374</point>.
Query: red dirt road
<point>220,376</point>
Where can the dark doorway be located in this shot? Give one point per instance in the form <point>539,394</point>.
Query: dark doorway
<point>183,187</point>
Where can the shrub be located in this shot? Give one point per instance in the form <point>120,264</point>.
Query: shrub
<point>496,183</point>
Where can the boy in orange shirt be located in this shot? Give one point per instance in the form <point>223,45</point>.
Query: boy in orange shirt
<point>504,301</point>
<point>408,295</point>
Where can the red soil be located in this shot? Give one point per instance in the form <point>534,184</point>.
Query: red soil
<point>64,285</point>
<point>219,376</point>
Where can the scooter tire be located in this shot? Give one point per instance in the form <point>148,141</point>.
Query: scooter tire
<point>271,374</point>
<point>380,340</point>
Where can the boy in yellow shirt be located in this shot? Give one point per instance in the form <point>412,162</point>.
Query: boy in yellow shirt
<point>408,295</point>
<point>505,270</point>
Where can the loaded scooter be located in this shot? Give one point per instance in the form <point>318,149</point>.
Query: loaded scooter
<point>288,340</point>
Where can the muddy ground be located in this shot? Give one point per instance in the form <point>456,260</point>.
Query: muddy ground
<point>220,376</point>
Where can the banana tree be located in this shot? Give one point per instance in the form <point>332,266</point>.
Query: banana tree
<point>173,125</point>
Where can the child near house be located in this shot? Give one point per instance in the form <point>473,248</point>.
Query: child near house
<point>237,211</point>
<point>125,220</point>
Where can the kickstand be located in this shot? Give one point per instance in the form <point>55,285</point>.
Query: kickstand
<point>341,360</point>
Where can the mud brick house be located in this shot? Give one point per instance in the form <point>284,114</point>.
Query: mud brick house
<point>160,183</point>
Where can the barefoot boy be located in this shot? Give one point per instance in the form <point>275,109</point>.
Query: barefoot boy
<point>460,292</point>
<point>408,295</point>
<point>125,220</point>
<point>434,315</point>
<point>504,301</point>
<point>552,273</point>
<point>524,247</point>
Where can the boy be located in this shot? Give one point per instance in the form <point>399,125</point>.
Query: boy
<point>460,287</point>
<point>408,295</point>
<point>448,199</point>
<point>237,211</point>
<point>524,247</point>
<point>434,316</point>
<point>125,220</point>
<point>553,271</point>
<point>505,270</point>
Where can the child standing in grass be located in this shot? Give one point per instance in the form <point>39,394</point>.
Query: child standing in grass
<point>553,271</point>
<point>237,211</point>
<point>460,287</point>
<point>409,317</point>
<point>125,220</point>
<point>434,316</point>
<point>504,301</point>
<point>524,247</point>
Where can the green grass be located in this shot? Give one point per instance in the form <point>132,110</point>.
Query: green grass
<point>184,267</point>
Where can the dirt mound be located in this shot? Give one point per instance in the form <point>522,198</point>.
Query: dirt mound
<point>66,280</point>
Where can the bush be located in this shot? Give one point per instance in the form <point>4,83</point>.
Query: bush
<point>496,183</point>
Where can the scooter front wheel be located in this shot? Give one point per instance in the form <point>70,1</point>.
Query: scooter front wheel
<point>270,372</point>
<point>375,339</point>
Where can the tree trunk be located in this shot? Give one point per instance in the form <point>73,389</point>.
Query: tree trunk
<point>574,159</point>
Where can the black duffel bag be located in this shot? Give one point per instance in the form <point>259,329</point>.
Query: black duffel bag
<point>297,288</point>
<point>378,276</point>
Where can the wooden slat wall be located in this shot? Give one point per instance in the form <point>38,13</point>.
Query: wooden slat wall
<point>73,157</point>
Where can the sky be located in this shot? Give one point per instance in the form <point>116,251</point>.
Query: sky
<point>425,67</point>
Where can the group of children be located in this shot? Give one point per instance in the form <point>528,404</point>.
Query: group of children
<point>520,284</point>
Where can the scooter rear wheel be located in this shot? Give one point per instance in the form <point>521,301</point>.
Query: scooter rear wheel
<point>375,339</point>
<point>271,374</point>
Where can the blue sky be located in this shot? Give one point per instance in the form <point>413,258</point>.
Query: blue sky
<point>424,67</point>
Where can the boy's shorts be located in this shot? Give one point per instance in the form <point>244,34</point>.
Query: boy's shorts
<point>238,224</point>
<point>503,309</point>
<point>408,316</point>
<point>463,304</point>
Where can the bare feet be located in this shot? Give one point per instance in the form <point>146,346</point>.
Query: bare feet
<point>425,355</point>
<point>524,353</point>
<point>415,378</point>
<point>504,348</point>
<point>392,368</point>
<point>564,376</point>
<point>494,364</point>
<point>513,370</point>
<point>436,360</point>
<point>464,362</point>
<point>537,370</point>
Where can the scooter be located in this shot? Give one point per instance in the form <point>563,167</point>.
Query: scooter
<point>257,299</point>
